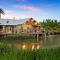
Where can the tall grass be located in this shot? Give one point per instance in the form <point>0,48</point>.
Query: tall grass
<point>7,53</point>
<point>11,53</point>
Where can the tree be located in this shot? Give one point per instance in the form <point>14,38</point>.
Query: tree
<point>1,12</point>
<point>50,25</point>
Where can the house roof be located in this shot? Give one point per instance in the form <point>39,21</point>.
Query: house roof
<point>12,21</point>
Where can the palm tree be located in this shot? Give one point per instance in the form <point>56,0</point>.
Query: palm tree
<point>1,12</point>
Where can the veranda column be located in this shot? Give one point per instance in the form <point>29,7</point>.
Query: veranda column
<point>4,29</point>
<point>14,29</point>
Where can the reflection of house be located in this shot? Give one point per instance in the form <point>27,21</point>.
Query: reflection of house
<point>9,26</point>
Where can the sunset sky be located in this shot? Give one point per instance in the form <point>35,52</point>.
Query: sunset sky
<point>38,9</point>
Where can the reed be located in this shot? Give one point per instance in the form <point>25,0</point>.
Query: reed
<point>11,53</point>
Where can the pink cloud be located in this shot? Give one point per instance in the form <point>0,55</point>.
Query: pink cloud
<point>10,14</point>
<point>22,0</point>
<point>1,0</point>
<point>29,8</point>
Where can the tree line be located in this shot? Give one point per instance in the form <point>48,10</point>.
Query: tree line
<point>50,26</point>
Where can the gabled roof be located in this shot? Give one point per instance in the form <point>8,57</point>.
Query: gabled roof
<point>12,21</point>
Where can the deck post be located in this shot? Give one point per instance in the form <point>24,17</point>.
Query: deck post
<point>14,29</point>
<point>37,37</point>
<point>45,36</point>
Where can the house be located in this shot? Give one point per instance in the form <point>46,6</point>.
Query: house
<point>11,26</point>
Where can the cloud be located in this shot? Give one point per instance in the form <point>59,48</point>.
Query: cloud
<point>22,0</point>
<point>10,14</point>
<point>40,13</point>
<point>28,8</point>
<point>1,0</point>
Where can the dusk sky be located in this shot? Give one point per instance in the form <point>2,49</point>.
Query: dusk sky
<point>38,9</point>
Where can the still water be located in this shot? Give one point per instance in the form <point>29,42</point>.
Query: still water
<point>52,40</point>
<point>49,41</point>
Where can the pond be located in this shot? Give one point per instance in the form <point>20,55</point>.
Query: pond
<point>49,41</point>
<point>52,41</point>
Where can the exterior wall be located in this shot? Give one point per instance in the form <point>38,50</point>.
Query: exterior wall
<point>23,28</point>
<point>7,29</point>
<point>26,26</point>
<point>10,29</point>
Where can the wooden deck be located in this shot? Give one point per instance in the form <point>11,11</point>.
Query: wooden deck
<point>30,33</point>
<point>37,32</point>
<point>2,33</point>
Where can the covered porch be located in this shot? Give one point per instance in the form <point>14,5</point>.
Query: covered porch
<point>7,29</point>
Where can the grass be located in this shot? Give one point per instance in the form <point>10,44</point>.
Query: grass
<point>11,53</point>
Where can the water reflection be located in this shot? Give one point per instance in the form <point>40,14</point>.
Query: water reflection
<point>50,41</point>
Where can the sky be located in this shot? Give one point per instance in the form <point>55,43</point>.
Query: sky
<point>37,9</point>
